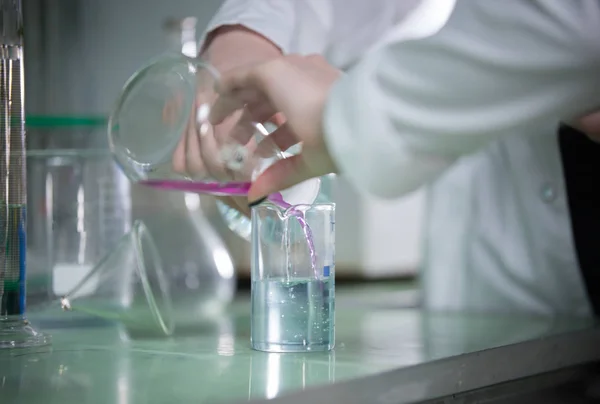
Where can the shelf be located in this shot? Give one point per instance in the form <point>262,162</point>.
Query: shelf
<point>50,121</point>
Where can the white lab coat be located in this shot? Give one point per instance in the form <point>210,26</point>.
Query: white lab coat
<point>454,98</point>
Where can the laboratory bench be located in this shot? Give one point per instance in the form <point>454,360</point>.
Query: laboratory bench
<point>387,351</point>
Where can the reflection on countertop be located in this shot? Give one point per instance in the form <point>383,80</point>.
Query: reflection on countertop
<point>96,362</point>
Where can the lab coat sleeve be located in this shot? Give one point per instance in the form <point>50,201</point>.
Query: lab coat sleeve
<point>412,107</point>
<point>314,26</point>
<point>272,19</point>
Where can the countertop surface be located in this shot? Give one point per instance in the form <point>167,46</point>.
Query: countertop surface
<point>92,361</point>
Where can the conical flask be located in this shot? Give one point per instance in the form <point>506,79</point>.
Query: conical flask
<point>129,286</point>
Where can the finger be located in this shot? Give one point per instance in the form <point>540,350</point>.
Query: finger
<point>207,80</point>
<point>195,129</point>
<point>193,155</point>
<point>281,175</point>
<point>261,111</point>
<point>179,155</point>
<point>201,150</point>
<point>241,132</point>
<point>253,82</point>
<point>244,85</point>
<point>283,137</point>
<point>210,153</point>
<point>279,140</point>
<point>227,103</point>
<point>179,158</point>
<point>231,136</point>
<point>316,59</point>
<point>238,203</point>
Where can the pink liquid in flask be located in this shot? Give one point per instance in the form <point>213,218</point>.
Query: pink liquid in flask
<point>209,188</point>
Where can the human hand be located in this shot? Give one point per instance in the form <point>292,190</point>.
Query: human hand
<point>226,48</point>
<point>590,125</point>
<point>297,87</point>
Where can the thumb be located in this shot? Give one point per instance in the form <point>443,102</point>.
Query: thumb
<point>281,175</point>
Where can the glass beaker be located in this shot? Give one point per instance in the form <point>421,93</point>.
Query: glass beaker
<point>151,119</point>
<point>293,278</point>
<point>79,203</point>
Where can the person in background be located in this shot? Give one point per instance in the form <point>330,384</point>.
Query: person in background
<point>464,97</point>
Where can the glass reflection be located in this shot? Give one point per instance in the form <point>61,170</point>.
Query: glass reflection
<point>40,376</point>
<point>392,338</point>
<point>226,339</point>
<point>274,374</point>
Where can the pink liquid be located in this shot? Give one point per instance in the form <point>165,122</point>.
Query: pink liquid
<point>238,189</point>
<point>277,199</point>
<point>209,188</point>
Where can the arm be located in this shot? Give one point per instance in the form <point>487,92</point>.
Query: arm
<point>340,30</point>
<point>270,20</point>
<point>494,68</point>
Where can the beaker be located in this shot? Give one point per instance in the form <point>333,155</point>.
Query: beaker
<point>293,278</point>
<point>150,124</point>
<point>79,203</point>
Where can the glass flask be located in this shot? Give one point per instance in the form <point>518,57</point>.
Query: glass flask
<point>79,203</point>
<point>166,104</point>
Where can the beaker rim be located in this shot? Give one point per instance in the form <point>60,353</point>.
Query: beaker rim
<point>326,206</point>
<point>304,207</point>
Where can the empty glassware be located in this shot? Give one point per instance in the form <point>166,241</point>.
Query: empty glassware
<point>149,285</point>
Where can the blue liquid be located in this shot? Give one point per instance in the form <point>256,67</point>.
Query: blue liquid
<point>12,259</point>
<point>293,316</point>
<point>13,182</point>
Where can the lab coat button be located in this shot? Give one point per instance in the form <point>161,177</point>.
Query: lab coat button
<point>548,193</point>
